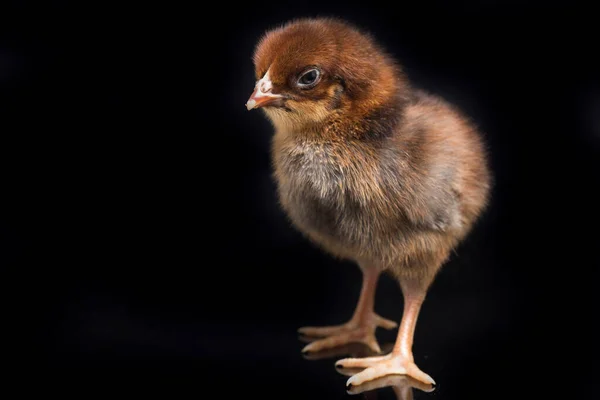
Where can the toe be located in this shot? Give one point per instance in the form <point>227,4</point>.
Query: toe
<point>375,372</point>
<point>385,323</point>
<point>371,342</point>
<point>328,343</point>
<point>414,372</point>
<point>321,331</point>
<point>359,362</point>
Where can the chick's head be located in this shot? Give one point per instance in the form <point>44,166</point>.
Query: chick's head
<point>310,70</point>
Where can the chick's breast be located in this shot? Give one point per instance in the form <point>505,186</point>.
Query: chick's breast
<point>325,189</point>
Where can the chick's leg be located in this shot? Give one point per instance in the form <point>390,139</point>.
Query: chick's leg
<point>400,361</point>
<point>361,327</point>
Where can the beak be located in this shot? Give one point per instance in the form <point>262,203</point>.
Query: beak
<point>262,95</point>
<point>258,99</point>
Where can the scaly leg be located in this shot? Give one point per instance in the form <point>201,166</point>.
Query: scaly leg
<point>400,361</point>
<point>361,327</point>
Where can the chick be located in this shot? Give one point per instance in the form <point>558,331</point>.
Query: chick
<point>370,169</point>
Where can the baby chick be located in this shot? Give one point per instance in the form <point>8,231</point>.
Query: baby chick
<point>370,169</point>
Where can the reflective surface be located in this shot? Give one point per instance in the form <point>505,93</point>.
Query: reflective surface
<point>474,345</point>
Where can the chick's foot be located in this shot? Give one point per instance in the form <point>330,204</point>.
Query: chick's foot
<point>378,367</point>
<point>354,331</point>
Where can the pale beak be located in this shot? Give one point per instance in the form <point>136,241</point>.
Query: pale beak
<point>258,99</point>
<point>262,95</point>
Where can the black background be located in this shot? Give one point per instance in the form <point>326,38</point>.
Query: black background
<point>140,233</point>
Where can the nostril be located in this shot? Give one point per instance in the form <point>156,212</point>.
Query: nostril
<point>265,88</point>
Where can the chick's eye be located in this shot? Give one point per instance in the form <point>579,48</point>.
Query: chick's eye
<point>309,78</point>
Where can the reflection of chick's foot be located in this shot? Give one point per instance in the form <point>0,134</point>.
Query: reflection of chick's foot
<point>378,367</point>
<point>402,385</point>
<point>362,331</point>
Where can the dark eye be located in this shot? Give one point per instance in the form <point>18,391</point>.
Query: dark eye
<point>309,78</point>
